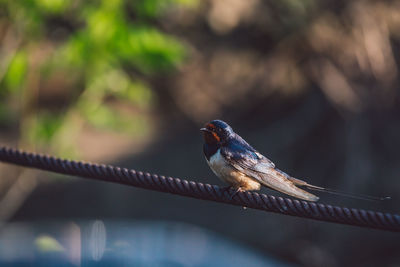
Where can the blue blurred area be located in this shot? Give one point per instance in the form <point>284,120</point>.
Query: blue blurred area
<point>113,243</point>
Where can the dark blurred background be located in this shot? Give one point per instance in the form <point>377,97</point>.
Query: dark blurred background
<point>313,85</point>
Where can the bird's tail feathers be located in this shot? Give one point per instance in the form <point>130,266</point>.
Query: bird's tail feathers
<point>299,182</point>
<point>277,181</point>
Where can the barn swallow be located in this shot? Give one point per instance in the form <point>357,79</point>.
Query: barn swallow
<point>237,163</point>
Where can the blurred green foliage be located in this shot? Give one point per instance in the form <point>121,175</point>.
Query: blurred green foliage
<point>92,51</point>
<point>46,244</point>
<point>14,78</point>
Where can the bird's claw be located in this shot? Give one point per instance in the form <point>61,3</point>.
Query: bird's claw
<point>232,191</point>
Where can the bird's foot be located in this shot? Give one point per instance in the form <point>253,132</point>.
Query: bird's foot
<point>232,191</point>
<point>236,190</point>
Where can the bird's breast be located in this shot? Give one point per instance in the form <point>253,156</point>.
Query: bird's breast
<point>229,174</point>
<point>219,165</point>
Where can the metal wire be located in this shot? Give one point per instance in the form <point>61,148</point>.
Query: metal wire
<point>287,206</point>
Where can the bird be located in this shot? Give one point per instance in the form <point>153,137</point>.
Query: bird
<point>238,164</point>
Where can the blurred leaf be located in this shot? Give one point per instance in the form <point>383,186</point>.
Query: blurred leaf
<point>149,50</point>
<point>75,52</point>
<point>16,72</point>
<point>46,243</point>
<point>137,93</point>
<point>53,6</point>
<point>44,126</point>
<point>154,8</point>
<point>119,84</point>
<point>102,25</point>
<point>149,8</point>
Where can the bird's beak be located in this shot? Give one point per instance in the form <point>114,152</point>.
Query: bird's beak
<point>204,130</point>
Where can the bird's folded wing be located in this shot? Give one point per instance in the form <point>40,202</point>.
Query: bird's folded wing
<point>246,159</point>
<point>258,167</point>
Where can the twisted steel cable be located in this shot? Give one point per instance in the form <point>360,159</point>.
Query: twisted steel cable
<point>287,206</point>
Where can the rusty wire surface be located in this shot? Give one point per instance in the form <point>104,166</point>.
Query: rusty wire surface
<point>286,206</point>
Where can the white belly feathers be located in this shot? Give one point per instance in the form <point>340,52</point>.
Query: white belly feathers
<point>219,166</point>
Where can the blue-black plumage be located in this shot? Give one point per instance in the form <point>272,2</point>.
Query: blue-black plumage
<point>236,162</point>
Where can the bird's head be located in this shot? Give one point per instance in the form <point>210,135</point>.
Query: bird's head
<point>216,132</point>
